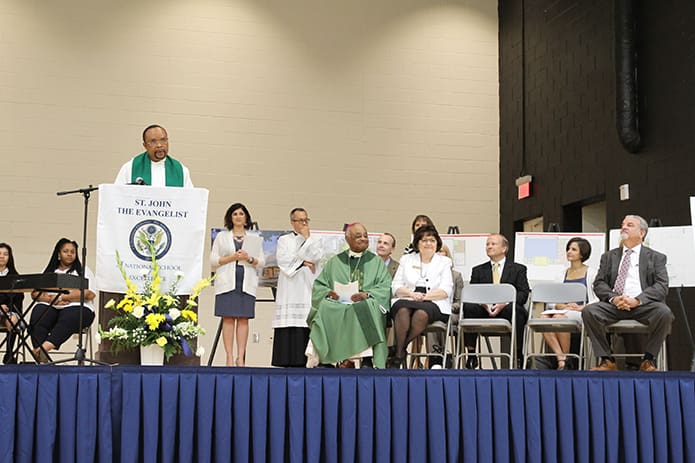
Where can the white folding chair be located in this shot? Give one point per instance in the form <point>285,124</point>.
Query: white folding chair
<point>487,293</point>
<point>553,293</point>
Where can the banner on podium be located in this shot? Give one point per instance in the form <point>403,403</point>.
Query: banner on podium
<point>171,219</point>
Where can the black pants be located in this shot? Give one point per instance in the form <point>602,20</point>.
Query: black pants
<point>57,325</point>
<point>478,311</point>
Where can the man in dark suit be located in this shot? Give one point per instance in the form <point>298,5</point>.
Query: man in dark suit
<point>631,284</point>
<point>498,270</point>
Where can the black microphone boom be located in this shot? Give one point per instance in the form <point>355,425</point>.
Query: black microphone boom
<point>89,189</point>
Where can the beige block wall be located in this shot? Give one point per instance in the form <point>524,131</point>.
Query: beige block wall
<point>369,110</point>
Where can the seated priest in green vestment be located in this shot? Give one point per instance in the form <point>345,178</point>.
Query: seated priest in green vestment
<point>154,167</point>
<point>350,298</point>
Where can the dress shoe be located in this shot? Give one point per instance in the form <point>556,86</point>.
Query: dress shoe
<point>472,362</point>
<point>606,365</point>
<point>396,362</point>
<point>648,365</point>
<point>366,363</point>
<point>347,363</point>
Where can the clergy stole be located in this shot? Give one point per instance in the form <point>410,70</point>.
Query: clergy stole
<point>142,168</point>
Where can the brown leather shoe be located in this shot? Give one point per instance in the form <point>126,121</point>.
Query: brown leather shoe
<point>606,365</point>
<point>648,365</point>
<point>347,363</point>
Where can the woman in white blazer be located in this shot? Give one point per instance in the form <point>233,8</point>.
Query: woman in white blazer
<point>578,251</point>
<point>236,258</point>
<point>422,288</point>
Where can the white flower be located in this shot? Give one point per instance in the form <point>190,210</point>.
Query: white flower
<point>200,351</point>
<point>174,314</point>
<point>138,311</point>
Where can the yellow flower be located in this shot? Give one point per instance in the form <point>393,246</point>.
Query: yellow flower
<point>189,314</point>
<point>161,341</point>
<point>170,300</point>
<point>110,304</point>
<point>153,300</point>
<point>153,320</point>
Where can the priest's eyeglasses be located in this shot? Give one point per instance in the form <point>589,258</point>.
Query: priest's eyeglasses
<point>153,143</point>
<point>307,220</point>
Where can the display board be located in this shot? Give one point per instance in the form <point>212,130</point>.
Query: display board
<point>332,243</point>
<point>467,251</point>
<point>544,254</point>
<point>678,245</point>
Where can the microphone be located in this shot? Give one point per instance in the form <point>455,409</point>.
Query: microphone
<point>138,181</point>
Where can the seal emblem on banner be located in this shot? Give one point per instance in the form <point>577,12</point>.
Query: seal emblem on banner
<point>153,232</point>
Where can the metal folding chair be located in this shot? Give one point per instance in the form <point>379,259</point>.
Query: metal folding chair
<point>487,293</point>
<point>553,293</point>
<point>440,327</point>
<point>634,327</point>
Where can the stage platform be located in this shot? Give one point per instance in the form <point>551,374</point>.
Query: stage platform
<point>201,414</point>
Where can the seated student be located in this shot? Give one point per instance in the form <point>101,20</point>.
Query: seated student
<point>341,330</point>
<point>10,303</point>
<point>422,288</point>
<point>52,325</point>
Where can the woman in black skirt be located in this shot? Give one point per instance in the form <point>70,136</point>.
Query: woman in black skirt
<point>422,288</point>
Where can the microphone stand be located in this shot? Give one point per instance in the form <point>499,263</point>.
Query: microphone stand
<point>80,356</point>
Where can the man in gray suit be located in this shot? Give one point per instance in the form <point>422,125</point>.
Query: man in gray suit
<point>384,249</point>
<point>631,284</point>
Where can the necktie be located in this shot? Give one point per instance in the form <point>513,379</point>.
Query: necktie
<point>622,273</point>
<point>496,273</point>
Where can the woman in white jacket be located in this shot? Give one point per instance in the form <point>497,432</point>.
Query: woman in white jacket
<point>422,287</point>
<point>236,257</point>
<point>578,251</point>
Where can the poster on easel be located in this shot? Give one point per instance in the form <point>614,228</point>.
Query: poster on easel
<point>544,254</point>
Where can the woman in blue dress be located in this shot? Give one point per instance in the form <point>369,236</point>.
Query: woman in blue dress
<point>578,251</point>
<point>236,256</point>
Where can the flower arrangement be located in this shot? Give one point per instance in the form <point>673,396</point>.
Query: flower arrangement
<point>153,316</point>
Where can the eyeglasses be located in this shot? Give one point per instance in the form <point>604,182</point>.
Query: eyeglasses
<point>153,143</point>
<point>307,220</point>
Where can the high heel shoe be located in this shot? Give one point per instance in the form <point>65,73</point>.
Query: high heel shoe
<point>562,365</point>
<point>397,362</point>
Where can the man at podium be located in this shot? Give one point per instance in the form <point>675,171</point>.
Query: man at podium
<point>154,167</point>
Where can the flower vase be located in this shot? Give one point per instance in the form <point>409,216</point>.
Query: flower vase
<point>151,355</point>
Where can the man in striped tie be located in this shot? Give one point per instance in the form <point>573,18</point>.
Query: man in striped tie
<point>631,284</point>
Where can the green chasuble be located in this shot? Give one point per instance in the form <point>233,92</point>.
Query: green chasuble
<point>340,331</point>
<point>142,167</point>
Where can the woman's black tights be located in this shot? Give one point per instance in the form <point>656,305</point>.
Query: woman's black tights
<point>408,324</point>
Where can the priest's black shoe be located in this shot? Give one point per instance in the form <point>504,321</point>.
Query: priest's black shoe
<point>472,362</point>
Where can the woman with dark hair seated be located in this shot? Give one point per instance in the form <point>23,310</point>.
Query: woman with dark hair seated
<point>422,288</point>
<point>420,220</point>
<point>578,250</point>
<point>10,303</point>
<point>52,325</point>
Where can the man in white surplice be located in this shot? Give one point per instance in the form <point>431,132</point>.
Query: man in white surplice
<point>298,255</point>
